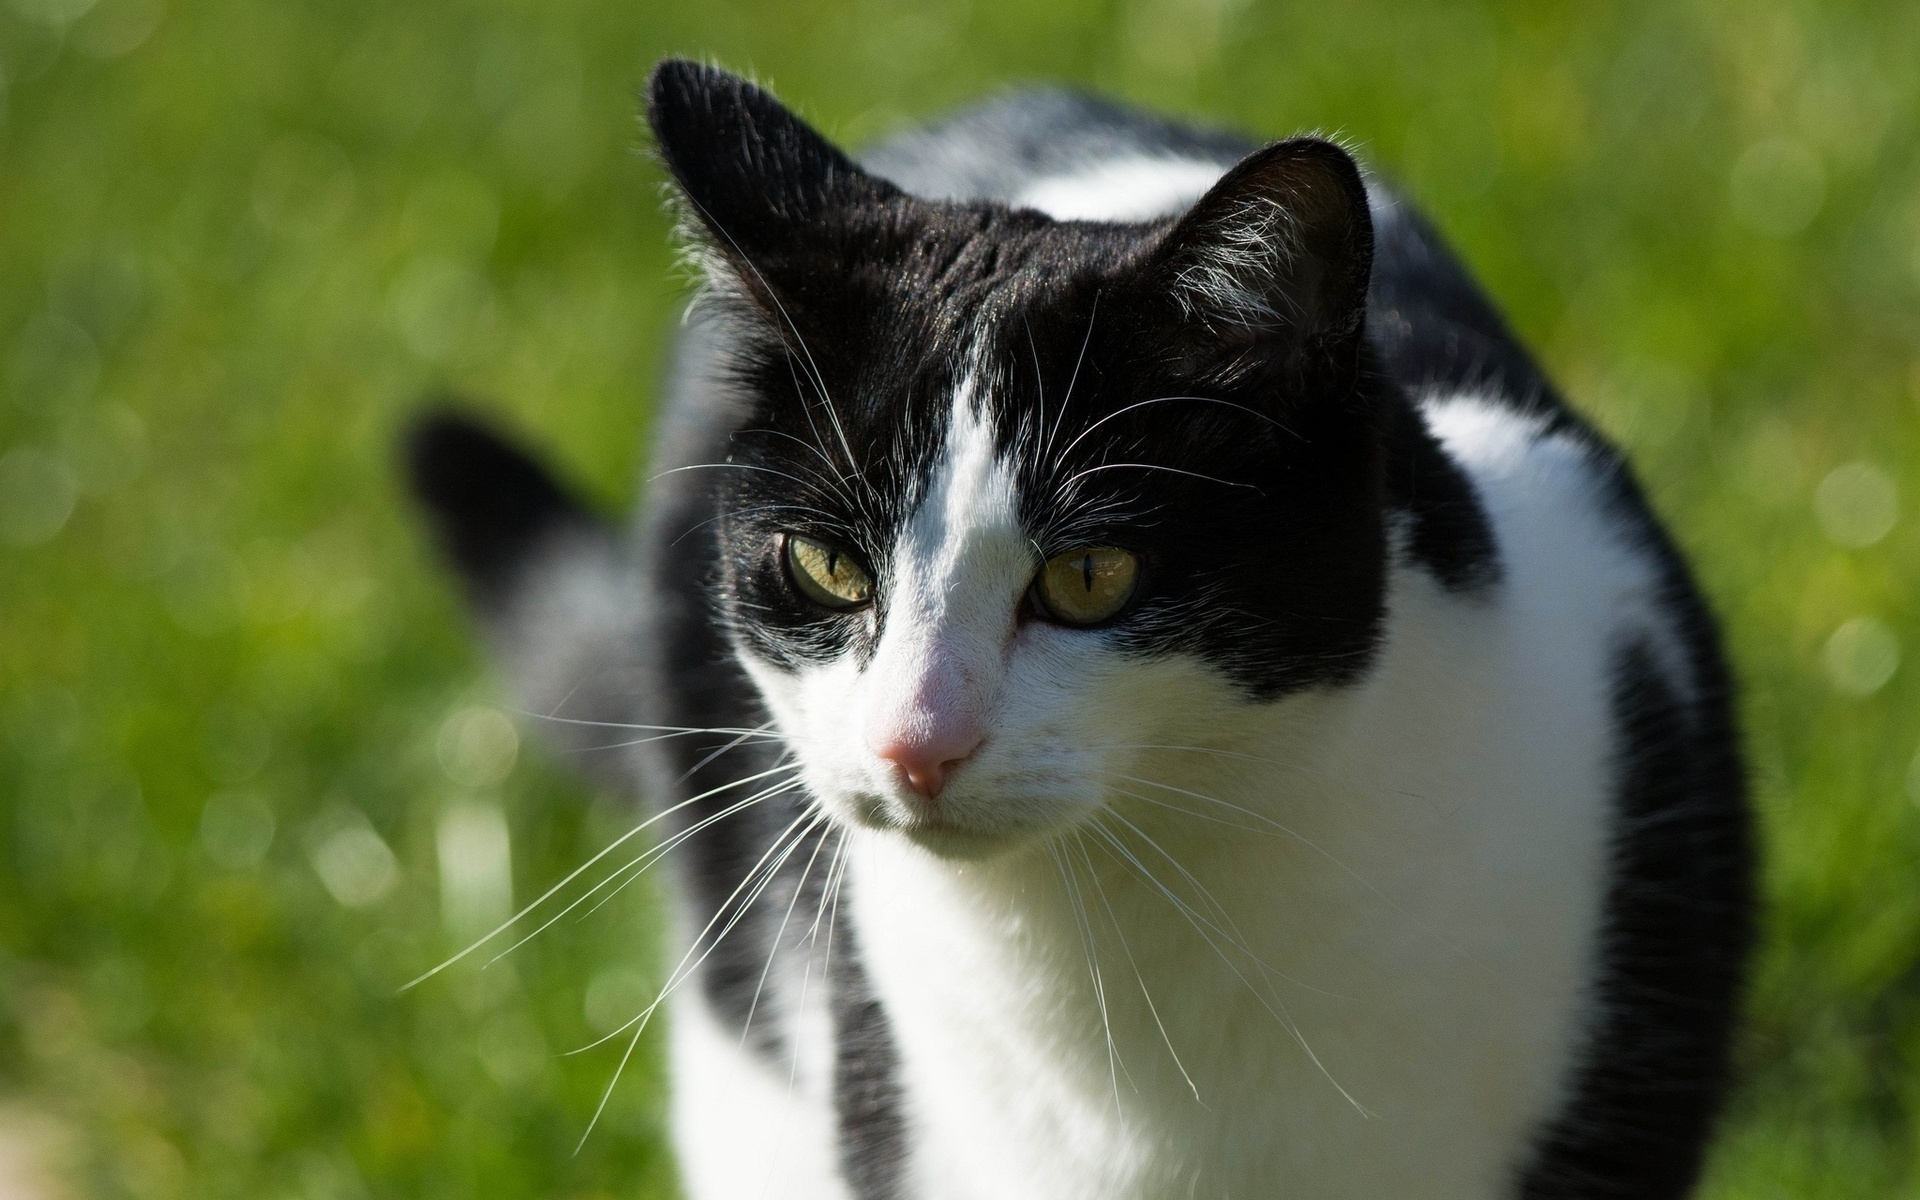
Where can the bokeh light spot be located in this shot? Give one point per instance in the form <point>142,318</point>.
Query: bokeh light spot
<point>1778,187</point>
<point>236,829</point>
<point>351,858</point>
<point>55,365</point>
<point>36,496</point>
<point>1861,656</point>
<point>1857,504</point>
<point>477,746</point>
<point>475,852</point>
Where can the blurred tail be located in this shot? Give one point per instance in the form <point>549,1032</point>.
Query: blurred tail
<point>547,577</point>
<point>495,510</point>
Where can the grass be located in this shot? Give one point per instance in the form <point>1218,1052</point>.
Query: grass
<point>250,776</point>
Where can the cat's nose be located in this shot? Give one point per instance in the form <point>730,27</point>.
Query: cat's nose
<point>927,764</point>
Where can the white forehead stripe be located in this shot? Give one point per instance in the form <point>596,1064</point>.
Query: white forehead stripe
<point>964,542</point>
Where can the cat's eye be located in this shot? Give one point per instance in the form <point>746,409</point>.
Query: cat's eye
<point>1086,587</point>
<point>826,574</point>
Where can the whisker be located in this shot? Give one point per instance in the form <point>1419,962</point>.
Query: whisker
<point>639,1023</point>
<point>818,379</point>
<point>806,407</point>
<point>755,882</point>
<point>1135,466</point>
<point>1053,434</point>
<point>583,867</point>
<point>719,729</point>
<point>1120,933</point>
<point>1235,754</point>
<point>1265,820</point>
<point>667,737</point>
<point>728,466</point>
<point>1039,380</point>
<point>562,702</point>
<point>1123,410</point>
<point>806,872</point>
<point>830,889</point>
<point>1279,1014</point>
<point>1232,932</point>
<point>754,510</point>
<point>644,861</point>
<point>1071,880</point>
<point>1187,812</point>
<point>676,843</point>
<point>735,744</point>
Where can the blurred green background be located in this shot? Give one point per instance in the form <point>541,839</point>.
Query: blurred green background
<point>253,774</point>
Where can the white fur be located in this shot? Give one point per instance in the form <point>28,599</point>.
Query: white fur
<point>1122,189</point>
<point>1428,914</point>
<point>1393,889</point>
<point>744,1129</point>
<point>1433,911</point>
<point>1230,280</point>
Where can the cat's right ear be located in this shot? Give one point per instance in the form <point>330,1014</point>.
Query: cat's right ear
<point>1268,271</point>
<point>763,186</point>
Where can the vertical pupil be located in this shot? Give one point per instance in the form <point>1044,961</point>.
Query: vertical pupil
<point>833,564</point>
<point>1086,570</point>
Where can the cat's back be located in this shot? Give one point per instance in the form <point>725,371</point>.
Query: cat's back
<point>1077,156</point>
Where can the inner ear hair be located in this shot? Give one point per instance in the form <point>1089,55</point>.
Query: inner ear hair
<point>1280,248</point>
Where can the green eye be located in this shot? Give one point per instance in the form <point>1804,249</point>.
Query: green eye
<point>1085,587</point>
<point>827,575</point>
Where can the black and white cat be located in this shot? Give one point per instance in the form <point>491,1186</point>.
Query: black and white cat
<point>1157,694</point>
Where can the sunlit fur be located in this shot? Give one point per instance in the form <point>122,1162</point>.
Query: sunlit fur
<point>1339,916</point>
<point>1390,843</point>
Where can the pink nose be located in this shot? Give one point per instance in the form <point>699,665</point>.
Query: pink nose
<point>927,765</point>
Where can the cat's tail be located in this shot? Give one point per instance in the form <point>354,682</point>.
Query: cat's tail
<point>548,578</point>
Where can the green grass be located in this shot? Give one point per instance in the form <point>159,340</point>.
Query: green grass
<point>237,246</point>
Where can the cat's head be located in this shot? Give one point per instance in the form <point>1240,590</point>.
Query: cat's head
<point>1019,499</point>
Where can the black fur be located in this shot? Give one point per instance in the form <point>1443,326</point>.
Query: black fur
<point>1678,927</point>
<point>855,302</point>
<point>866,1091</point>
<point>814,388</point>
<point>493,507</point>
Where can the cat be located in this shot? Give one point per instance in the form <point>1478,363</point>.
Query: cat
<point>1153,692</point>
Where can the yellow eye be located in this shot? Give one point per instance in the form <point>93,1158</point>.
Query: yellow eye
<point>827,575</point>
<point>1085,587</point>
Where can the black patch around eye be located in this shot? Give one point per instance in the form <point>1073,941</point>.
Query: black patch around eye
<point>769,610</point>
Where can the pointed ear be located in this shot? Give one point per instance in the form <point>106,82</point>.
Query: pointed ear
<point>757,178</point>
<point>1269,269</point>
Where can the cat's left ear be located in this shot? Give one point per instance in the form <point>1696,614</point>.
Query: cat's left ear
<point>1269,269</point>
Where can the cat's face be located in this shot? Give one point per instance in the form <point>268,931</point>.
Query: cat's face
<point>1018,500</point>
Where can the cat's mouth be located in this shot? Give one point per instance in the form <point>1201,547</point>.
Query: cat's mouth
<point>948,831</point>
<point>948,840</point>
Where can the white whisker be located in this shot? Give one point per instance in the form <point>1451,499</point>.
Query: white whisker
<point>1085,340</point>
<point>682,972</point>
<point>755,882</point>
<point>642,862</point>
<point>1123,410</point>
<point>1120,933</point>
<point>1263,819</point>
<point>1137,466</point>
<point>779,935</point>
<point>1069,878</point>
<point>1268,999</point>
<point>583,867</point>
